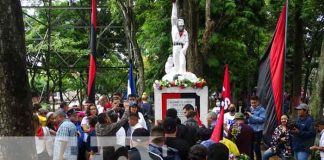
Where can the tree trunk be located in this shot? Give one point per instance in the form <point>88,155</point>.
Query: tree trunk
<point>209,28</point>
<point>317,101</point>
<point>191,17</point>
<point>298,56</point>
<point>15,101</point>
<point>60,84</point>
<point>126,7</point>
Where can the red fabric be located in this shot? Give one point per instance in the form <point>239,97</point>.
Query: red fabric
<point>217,134</point>
<point>226,93</point>
<point>198,118</point>
<point>277,61</point>
<point>181,33</point>
<point>94,14</point>
<point>92,73</point>
<point>165,97</point>
<point>40,132</point>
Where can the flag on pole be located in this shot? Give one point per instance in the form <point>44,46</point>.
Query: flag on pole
<point>131,88</point>
<point>217,134</point>
<point>93,44</point>
<point>271,77</point>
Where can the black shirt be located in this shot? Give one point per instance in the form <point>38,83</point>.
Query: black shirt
<point>181,145</point>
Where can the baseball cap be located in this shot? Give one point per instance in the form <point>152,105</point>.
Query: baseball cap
<point>133,104</point>
<point>239,116</point>
<point>71,112</point>
<point>302,106</point>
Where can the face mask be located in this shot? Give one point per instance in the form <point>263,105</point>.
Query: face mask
<point>218,104</point>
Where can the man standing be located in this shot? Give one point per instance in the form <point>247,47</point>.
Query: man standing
<point>229,117</point>
<point>65,145</point>
<point>303,133</point>
<point>190,114</point>
<point>242,135</point>
<point>180,39</point>
<point>321,142</point>
<point>256,118</point>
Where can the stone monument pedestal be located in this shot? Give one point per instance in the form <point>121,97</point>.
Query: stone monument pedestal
<point>177,97</point>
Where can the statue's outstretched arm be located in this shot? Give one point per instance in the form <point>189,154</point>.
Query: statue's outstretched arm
<point>174,15</point>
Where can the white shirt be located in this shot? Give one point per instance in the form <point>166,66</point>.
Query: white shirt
<point>85,121</point>
<point>216,110</point>
<point>228,119</point>
<point>121,137</point>
<point>321,144</point>
<point>141,120</point>
<point>45,142</point>
<point>132,128</point>
<point>100,109</point>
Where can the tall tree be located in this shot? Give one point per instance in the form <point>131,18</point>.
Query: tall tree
<point>191,16</point>
<point>317,101</point>
<point>15,101</point>
<point>298,53</point>
<point>127,8</point>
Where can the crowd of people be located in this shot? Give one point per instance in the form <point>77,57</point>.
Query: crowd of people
<point>112,129</point>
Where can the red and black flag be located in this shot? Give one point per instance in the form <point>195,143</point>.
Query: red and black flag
<point>271,76</point>
<point>93,44</point>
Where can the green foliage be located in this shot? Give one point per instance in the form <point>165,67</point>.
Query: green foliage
<point>242,33</point>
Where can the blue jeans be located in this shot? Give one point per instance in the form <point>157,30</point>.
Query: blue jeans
<point>267,154</point>
<point>301,155</point>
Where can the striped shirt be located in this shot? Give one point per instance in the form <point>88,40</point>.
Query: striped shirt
<point>67,132</point>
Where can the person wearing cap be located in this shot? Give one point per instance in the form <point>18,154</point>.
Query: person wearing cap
<point>303,133</point>
<point>242,135</point>
<point>72,115</point>
<point>281,141</point>
<point>320,147</point>
<point>65,144</point>
<point>51,124</point>
<point>180,40</point>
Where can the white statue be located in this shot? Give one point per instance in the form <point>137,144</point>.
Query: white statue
<point>180,39</point>
<point>169,68</point>
<point>175,67</point>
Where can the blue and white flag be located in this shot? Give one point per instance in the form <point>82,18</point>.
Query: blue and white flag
<point>131,88</point>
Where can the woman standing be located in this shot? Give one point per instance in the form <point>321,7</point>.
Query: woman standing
<point>281,142</point>
<point>43,140</point>
<point>50,123</point>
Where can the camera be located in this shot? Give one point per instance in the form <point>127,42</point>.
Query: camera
<point>245,112</point>
<point>291,125</point>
